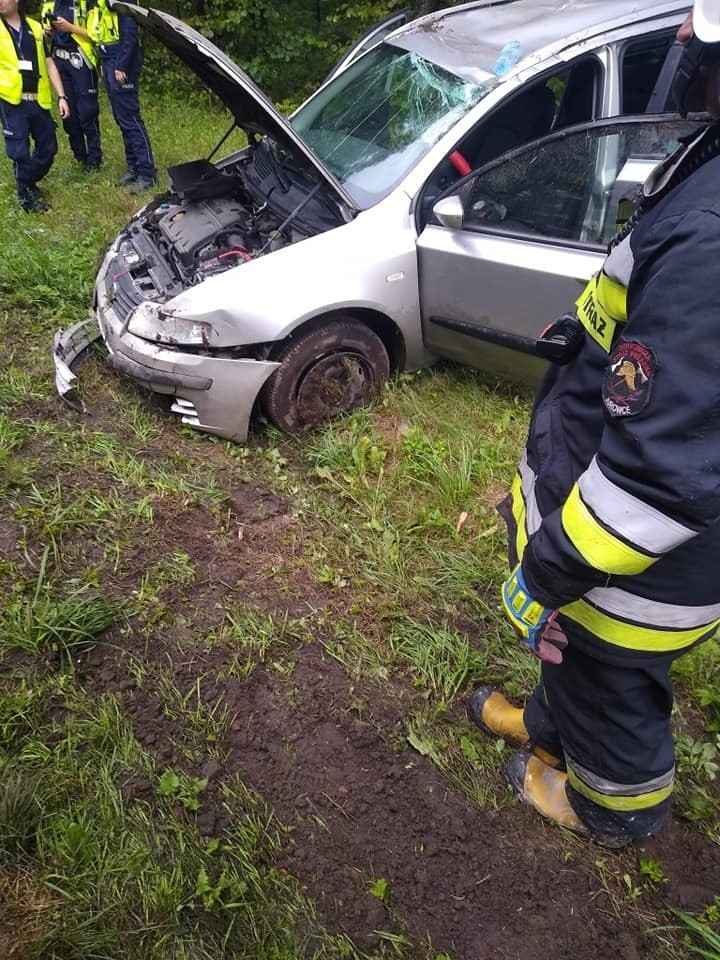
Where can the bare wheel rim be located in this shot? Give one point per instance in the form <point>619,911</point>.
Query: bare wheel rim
<point>334,384</point>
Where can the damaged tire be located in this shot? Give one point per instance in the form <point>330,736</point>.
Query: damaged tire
<point>325,373</point>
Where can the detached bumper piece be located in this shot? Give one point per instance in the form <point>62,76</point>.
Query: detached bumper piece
<point>69,348</point>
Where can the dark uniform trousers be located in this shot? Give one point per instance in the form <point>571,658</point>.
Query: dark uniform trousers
<point>20,123</point>
<point>82,126</point>
<point>126,111</point>
<point>612,720</point>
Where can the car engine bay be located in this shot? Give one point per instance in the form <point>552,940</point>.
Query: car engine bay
<point>212,219</point>
<point>204,237</point>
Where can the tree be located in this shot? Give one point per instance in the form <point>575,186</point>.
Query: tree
<point>422,7</point>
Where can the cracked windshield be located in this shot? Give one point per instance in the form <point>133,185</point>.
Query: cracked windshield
<point>378,118</point>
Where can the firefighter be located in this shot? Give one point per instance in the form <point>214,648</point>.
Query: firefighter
<point>26,74</point>
<point>116,39</point>
<point>76,59</point>
<point>614,514</point>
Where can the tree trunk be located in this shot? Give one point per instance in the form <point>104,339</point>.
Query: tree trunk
<point>421,7</point>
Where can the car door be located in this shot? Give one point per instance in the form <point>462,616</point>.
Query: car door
<point>370,38</point>
<point>510,247</point>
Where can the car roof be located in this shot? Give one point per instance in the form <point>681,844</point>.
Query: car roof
<point>467,39</point>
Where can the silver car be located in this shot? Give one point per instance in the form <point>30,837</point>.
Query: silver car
<point>444,194</point>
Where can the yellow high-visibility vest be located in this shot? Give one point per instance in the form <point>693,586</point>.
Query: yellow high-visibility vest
<point>11,85</point>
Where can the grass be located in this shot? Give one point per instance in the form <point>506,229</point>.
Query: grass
<point>116,874</point>
<point>389,557</point>
<point>701,934</point>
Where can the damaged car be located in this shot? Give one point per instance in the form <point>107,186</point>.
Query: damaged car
<point>436,197</point>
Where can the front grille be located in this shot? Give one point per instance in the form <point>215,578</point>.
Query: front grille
<point>139,272</point>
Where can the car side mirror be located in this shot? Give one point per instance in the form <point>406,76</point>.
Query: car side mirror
<point>449,212</point>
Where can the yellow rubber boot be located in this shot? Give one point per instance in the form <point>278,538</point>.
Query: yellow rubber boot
<point>543,788</point>
<point>490,711</point>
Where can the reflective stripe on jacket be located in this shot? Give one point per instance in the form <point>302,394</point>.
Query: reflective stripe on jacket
<point>616,505</point>
<point>11,85</point>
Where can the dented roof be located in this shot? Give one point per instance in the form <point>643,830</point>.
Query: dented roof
<point>467,39</point>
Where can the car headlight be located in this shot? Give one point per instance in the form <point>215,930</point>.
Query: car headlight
<point>150,322</point>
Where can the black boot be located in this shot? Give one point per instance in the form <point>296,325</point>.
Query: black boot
<point>31,200</point>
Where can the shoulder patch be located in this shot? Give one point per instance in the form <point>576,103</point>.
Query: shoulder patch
<point>628,379</point>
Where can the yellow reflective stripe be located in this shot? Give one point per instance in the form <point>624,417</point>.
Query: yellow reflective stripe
<point>592,315</point>
<point>612,296</point>
<point>518,512</point>
<point>622,804</point>
<point>631,635</point>
<point>595,544</point>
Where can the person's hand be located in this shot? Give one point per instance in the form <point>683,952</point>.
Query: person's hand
<point>121,76</point>
<point>552,641</point>
<point>685,30</point>
<point>63,107</point>
<point>61,25</point>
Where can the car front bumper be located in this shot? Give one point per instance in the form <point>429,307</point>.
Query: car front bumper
<point>214,394</point>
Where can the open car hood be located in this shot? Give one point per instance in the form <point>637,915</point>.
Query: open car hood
<point>252,110</point>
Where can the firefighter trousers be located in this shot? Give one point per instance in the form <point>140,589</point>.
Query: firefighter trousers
<point>611,721</point>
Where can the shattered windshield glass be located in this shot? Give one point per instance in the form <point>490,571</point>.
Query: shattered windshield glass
<point>373,122</point>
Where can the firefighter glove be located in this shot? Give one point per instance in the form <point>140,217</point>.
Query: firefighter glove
<point>533,621</point>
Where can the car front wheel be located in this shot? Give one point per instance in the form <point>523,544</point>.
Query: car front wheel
<point>324,373</point>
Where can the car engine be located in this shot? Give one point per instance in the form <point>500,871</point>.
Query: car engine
<point>206,237</point>
<point>213,218</point>
<point>175,243</point>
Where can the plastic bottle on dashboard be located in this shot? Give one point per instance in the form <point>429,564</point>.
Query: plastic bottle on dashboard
<point>509,56</point>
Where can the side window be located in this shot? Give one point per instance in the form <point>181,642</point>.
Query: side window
<point>641,63</point>
<point>559,100</point>
<point>574,187</point>
<point>577,91</point>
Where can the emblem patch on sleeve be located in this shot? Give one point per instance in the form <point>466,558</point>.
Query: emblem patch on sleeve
<point>628,379</point>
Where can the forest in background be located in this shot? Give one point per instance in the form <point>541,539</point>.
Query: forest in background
<point>287,47</point>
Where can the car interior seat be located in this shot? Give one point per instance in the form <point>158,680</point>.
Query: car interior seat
<point>527,117</point>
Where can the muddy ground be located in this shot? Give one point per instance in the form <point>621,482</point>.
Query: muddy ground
<point>482,886</point>
<point>330,757</point>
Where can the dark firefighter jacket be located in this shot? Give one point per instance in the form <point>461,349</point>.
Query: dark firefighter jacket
<point>616,504</point>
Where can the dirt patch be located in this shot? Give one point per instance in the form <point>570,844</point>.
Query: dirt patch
<point>251,505</point>
<point>23,901</point>
<point>691,866</point>
<point>480,885</point>
<point>10,536</point>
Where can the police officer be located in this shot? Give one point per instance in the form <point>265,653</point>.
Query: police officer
<point>117,40</point>
<point>614,515</point>
<point>76,58</point>
<point>26,73</point>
